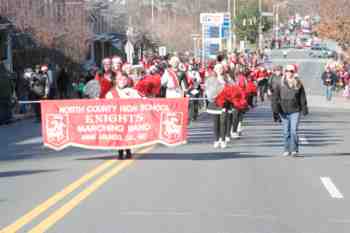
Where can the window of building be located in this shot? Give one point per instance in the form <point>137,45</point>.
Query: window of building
<point>3,45</point>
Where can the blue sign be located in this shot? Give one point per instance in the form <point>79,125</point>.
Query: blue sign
<point>214,32</point>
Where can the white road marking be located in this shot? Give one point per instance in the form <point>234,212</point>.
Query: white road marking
<point>156,213</point>
<point>199,133</point>
<point>331,188</point>
<point>35,140</point>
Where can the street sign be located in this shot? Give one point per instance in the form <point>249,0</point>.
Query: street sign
<point>162,51</point>
<point>211,18</point>
<point>216,33</point>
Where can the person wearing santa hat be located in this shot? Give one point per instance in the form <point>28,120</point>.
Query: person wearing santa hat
<point>117,64</point>
<point>150,84</point>
<point>104,77</point>
<point>214,84</point>
<point>262,80</point>
<point>291,96</point>
<point>120,90</point>
<point>174,80</point>
<point>194,92</point>
<point>241,85</point>
<point>252,90</point>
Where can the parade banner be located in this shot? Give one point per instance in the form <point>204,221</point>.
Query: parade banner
<point>114,124</point>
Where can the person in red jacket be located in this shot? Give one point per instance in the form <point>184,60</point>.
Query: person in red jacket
<point>150,84</point>
<point>251,90</point>
<point>262,79</point>
<point>104,77</point>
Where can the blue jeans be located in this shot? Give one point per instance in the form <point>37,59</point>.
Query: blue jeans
<point>329,92</point>
<point>290,122</point>
<point>23,107</point>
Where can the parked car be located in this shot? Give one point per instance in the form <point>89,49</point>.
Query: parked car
<point>320,51</point>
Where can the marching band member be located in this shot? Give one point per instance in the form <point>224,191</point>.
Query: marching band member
<point>214,84</point>
<point>194,81</point>
<point>117,64</point>
<point>174,80</point>
<point>262,80</point>
<point>150,84</point>
<point>104,77</point>
<point>121,90</point>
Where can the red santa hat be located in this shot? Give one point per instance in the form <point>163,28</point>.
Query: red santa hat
<point>44,68</point>
<point>290,68</point>
<point>117,60</point>
<point>106,61</point>
<point>296,68</point>
<point>126,68</point>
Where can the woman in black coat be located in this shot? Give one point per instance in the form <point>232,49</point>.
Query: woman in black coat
<point>292,102</point>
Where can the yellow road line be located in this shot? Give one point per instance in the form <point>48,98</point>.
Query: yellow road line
<point>74,202</point>
<point>14,227</point>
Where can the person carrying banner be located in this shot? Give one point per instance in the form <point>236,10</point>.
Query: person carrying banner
<point>121,90</point>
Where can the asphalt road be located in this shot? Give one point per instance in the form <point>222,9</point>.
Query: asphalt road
<point>246,188</point>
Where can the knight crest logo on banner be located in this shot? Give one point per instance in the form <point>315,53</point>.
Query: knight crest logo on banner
<point>114,124</point>
<point>171,126</point>
<point>57,129</point>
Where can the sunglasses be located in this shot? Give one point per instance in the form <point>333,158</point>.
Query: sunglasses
<point>289,71</point>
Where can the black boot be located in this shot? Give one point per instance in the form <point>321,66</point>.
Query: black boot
<point>120,154</point>
<point>128,154</point>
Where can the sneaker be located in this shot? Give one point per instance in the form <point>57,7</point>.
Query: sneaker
<point>216,144</point>
<point>235,135</point>
<point>120,154</point>
<point>128,154</point>
<point>223,144</point>
<point>240,128</point>
<point>296,154</point>
<point>227,139</point>
<point>285,154</point>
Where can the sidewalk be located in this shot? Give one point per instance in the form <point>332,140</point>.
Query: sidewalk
<point>321,102</point>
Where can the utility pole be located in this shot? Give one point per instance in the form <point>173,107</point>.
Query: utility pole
<point>277,26</point>
<point>260,27</point>
<point>152,14</point>
<point>234,23</point>
<point>229,47</point>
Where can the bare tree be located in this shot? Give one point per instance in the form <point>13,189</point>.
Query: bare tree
<point>57,25</point>
<point>335,22</point>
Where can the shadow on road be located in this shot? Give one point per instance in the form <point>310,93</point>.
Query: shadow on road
<point>24,172</point>
<point>326,154</point>
<point>187,156</point>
